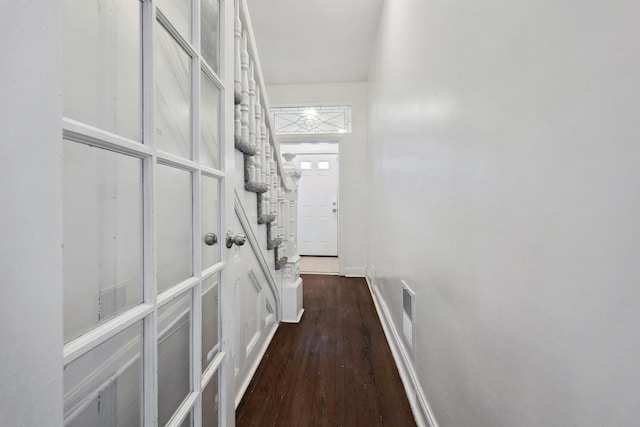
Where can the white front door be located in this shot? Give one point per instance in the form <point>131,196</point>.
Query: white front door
<point>318,204</point>
<point>146,194</point>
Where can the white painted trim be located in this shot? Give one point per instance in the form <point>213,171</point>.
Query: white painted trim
<point>242,388</point>
<point>210,271</point>
<point>177,290</point>
<point>293,259</point>
<point>254,281</point>
<point>74,130</point>
<point>210,73</point>
<point>150,331</point>
<point>227,386</point>
<point>297,319</point>
<point>354,272</point>
<point>420,407</point>
<point>175,34</point>
<point>172,160</point>
<point>252,342</point>
<point>101,333</point>
<point>183,410</point>
<point>321,273</point>
<point>211,370</point>
<point>211,172</point>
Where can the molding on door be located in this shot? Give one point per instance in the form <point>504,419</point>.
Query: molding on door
<point>420,407</point>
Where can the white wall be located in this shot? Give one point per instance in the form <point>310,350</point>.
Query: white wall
<point>30,215</point>
<point>504,143</point>
<point>352,234</point>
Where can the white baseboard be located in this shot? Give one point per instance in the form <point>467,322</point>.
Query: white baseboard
<point>297,319</point>
<point>254,366</point>
<point>354,272</point>
<point>419,405</point>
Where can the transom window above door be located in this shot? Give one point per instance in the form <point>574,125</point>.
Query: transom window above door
<point>318,119</point>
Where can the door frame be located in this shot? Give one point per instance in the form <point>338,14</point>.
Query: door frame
<point>286,140</point>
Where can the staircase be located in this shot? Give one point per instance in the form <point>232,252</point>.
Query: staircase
<point>268,286</point>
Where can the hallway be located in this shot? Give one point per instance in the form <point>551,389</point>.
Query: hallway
<point>333,368</point>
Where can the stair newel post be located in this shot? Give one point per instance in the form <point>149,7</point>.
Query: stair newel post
<point>291,200</point>
<point>252,119</point>
<point>292,304</point>
<point>284,223</point>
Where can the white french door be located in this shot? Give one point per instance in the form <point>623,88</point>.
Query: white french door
<point>146,196</point>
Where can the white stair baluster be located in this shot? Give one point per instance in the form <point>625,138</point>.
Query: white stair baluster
<point>258,137</point>
<point>244,106</point>
<point>237,72</point>
<point>252,121</point>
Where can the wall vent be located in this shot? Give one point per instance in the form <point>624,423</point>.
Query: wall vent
<point>408,315</point>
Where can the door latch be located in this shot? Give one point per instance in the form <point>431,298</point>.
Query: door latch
<point>232,238</point>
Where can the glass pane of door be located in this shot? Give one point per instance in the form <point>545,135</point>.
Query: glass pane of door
<point>103,64</point>
<point>102,236</point>
<point>179,13</point>
<point>209,119</point>
<point>104,386</point>
<point>173,95</point>
<point>187,421</point>
<point>210,319</point>
<point>174,356</point>
<point>210,32</point>
<point>174,207</point>
<point>210,404</point>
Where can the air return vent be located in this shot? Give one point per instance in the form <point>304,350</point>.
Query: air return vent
<point>408,314</point>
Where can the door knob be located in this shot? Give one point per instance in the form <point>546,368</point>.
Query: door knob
<point>334,210</point>
<point>210,239</point>
<point>238,239</point>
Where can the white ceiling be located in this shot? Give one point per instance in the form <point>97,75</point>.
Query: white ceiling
<point>314,41</point>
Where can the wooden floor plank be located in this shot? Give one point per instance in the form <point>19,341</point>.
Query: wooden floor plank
<point>334,368</point>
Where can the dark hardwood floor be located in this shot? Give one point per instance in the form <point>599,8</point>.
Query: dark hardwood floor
<point>334,368</point>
